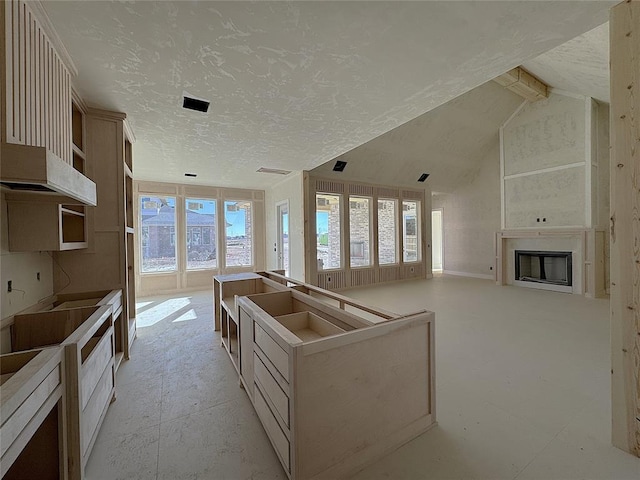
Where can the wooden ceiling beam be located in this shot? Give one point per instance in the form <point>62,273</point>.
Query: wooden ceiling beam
<point>523,83</point>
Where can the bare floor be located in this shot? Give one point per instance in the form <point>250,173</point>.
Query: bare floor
<point>522,392</point>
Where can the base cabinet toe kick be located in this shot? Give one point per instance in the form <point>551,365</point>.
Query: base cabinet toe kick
<point>334,391</point>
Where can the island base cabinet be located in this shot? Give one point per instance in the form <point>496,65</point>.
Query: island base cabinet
<point>334,392</point>
<point>357,402</point>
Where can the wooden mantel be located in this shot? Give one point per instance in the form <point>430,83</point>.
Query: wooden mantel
<point>625,225</point>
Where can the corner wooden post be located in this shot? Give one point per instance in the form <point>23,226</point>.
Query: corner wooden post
<point>625,225</point>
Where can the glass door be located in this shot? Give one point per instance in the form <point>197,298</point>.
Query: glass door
<point>436,239</point>
<point>282,247</point>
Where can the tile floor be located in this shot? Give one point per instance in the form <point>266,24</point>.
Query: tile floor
<point>522,392</point>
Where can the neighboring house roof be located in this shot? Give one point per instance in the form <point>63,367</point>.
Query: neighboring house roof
<point>166,216</point>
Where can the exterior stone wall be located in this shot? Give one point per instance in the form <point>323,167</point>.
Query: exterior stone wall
<point>387,228</point>
<point>360,224</point>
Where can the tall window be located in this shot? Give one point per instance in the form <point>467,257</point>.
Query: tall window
<point>158,222</point>
<point>360,231</point>
<point>201,234</point>
<point>328,232</point>
<point>239,238</point>
<point>387,231</point>
<point>411,230</point>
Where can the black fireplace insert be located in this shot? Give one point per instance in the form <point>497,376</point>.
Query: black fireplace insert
<point>544,267</point>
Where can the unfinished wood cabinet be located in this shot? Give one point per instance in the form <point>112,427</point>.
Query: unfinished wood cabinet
<point>44,226</point>
<point>108,262</point>
<point>73,218</point>
<point>226,290</point>
<point>325,383</point>
<point>86,337</point>
<point>32,407</point>
<point>130,244</point>
<point>37,224</point>
<point>37,80</point>
<point>44,132</point>
<point>111,298</point>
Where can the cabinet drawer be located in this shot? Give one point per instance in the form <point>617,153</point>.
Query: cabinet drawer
<point>277,437</point>
<point>91,417</point>
<point>270,388</point>
<point>272,351</point>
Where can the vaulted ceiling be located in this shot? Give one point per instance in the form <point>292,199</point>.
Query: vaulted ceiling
<point>448,142</point>
<point>292,85</point>
<point>580,65</point>
<point>451,141</point>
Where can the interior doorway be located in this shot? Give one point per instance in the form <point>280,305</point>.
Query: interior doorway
<point>282,247</point>
<point>437,240</point>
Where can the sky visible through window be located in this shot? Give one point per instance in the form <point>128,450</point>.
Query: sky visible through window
<point>322,222</point>
<point>235,222</point>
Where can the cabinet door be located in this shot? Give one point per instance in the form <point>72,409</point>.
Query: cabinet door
<point>246,350</point>
<point>38,90</point>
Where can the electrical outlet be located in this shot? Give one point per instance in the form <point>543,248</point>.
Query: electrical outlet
<point>9,286</point>
<point>38,276</point>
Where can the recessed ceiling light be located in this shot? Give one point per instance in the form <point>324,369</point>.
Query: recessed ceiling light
<point>197,104</point>
<point>190,174</point>
<point>273,170</point>
<point>423,177</point>
<point>339,166</point>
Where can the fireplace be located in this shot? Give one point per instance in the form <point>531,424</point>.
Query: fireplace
<point>544,268</point>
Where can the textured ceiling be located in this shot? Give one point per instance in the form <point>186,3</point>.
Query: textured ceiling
<point>448,142</point>
<point>292,85</point>
<point>580,66</point>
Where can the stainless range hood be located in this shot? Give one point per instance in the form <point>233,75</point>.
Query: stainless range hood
<point>37,173</point>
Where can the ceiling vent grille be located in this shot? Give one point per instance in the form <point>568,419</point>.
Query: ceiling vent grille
<point>423,177</point>
<point>274,171</point>
<point>196,104</point>
<point>339,166</point>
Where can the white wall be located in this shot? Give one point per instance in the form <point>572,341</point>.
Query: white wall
<point>470,217</point>
<point>291,188</point>
<point>21,269</point>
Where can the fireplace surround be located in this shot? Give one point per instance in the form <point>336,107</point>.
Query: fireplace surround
<point>587,259</point>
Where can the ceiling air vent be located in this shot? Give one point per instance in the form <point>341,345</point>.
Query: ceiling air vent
<point>191,103</point>
<point>339,166</point>
<point>273,170</point>
<point>423,177</point>
<point>191,175</point>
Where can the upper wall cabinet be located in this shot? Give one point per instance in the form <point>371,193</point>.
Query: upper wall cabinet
<point>37,149</point>
<point>550,164</point>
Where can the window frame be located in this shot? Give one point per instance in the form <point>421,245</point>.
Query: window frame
<point>189,231</point>
<point>341,214</point>
<point>371,262</point>
<point>224,236</point>
<point>396,231</point>
<point>172,235</point>
<point>418,234</point>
